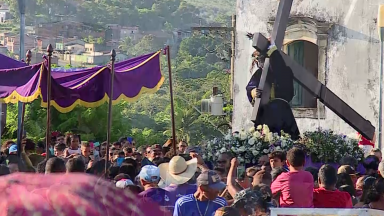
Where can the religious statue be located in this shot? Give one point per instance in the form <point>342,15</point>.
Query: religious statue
<point>277,113</point>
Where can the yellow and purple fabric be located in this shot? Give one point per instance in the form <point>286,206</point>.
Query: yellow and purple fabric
<point>84,87</point>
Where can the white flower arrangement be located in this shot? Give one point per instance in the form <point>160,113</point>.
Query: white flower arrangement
<point>323,146</point>
<point>328,147</point>
<point>249,145</point>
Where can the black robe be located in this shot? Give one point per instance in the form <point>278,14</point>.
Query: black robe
<point>277,114</point>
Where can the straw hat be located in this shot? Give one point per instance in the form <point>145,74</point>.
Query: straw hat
<point>178,171</point>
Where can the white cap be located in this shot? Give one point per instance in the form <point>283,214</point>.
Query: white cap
<point>123,183</point>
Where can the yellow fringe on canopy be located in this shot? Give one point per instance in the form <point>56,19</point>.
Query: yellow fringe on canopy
<point>91,77</point>
<point>142,63</point>
<point>105,99</point>
<point>15,97</point>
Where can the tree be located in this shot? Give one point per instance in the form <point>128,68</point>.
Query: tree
<point>100,40</point>
<point>126,44</point>
<point>91,39</point>
<point>146,45</point>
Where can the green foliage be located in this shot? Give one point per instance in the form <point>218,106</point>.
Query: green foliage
<point>68,66</point>
<point>89,39</point>
<point>146,45</point>
<point>100,40</point>
<point>215,10</point>
<point>197,66</point>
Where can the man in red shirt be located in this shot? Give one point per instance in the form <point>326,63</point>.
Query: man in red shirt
<point>327,195</point>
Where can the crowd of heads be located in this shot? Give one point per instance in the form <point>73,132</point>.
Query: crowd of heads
<point>172,179</point>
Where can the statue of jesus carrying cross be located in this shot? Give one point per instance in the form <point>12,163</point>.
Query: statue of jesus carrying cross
<point>277,113</point>
<point>279,71</point>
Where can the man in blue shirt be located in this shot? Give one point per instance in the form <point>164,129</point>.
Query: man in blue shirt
<point>176,174</point>
<point>205,201</point>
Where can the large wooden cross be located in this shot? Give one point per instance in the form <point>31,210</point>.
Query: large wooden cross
<point>304,78</point>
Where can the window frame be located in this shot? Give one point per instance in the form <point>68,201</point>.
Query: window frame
<point>317,32</point>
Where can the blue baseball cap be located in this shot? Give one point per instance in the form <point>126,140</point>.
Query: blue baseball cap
<point>13,148</point>
<point>150,173</point>
<point>211,179</point>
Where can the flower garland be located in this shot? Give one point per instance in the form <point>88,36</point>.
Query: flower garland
<point>248,146</point>
<point>328,147</point>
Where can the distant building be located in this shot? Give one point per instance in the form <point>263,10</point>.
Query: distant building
<point>93,54</point>
<point>37,57</point>
<point>3,50</point>
<point>4,37</point>
<point>5,13</point>
<point>131,32</point>
<point>179,35</point>
<point>76,48</point>
<point>13,43</point>
<point>65,43</point>
<point>68,29</point>
<point>30,30</point>
<point>93,47</point>
<point>43,42</point>
<point>113,32</point>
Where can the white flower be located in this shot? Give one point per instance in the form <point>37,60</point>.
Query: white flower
<point>268,137</point>
<point>242,135</point>
<point>266,151</point>
<point>283,143</point>
<point>222,150</point>
<point>241,149</point>
<point>257,134</point>
<point>241,160</point>
<point>233,149</point>
<point>252,129</point>
<point>265,129</point>
<point>277,148</point>
<point>255,152</point>
<point>210,154</point>
<point>251,141</point>
<point>228,137</point>
<point>259,127</point>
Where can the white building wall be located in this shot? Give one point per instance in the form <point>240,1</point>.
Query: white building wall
<point>352,56</point>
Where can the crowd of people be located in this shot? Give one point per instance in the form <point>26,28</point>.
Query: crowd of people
<point>183,184</point>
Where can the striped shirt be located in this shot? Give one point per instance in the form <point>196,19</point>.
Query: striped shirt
<point>187,206</point>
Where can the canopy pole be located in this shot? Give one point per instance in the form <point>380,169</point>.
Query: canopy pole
<point>21,127</point>
<point>171,94</point>
<point>48,131</point>
<point>113,58</point>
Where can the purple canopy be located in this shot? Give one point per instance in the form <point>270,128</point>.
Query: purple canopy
<point>85,87</point>
<point>7,62</point>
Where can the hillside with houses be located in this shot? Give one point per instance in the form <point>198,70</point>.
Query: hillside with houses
<point>84,32</point>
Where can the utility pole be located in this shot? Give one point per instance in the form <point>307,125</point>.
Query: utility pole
<point>21,106</point>
<point>232,30</point>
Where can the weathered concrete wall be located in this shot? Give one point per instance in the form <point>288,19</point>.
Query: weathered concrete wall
<point>352,55</point>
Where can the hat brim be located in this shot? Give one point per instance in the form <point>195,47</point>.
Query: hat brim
<point>217,186</point>
<point>181,178</point>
